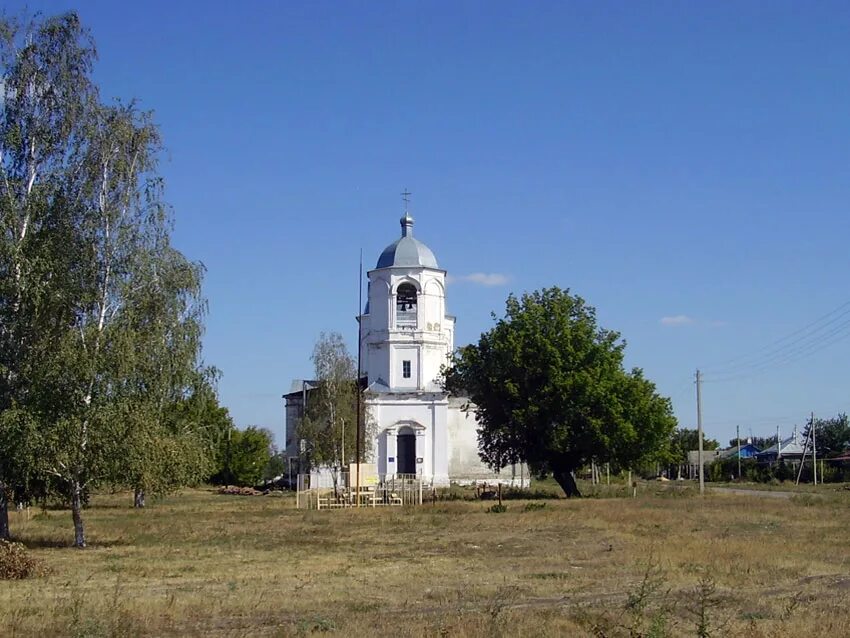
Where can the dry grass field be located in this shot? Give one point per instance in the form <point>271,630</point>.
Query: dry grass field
<point>667,563</point>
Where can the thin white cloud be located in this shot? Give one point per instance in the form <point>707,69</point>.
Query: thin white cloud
<point>676,320</point>
<point>480,279</point>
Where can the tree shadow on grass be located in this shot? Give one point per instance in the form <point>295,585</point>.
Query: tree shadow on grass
<point>53,542</point>
<point>64,507</point>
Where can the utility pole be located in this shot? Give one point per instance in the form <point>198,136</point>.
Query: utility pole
<point>302,445</point>
<point>805,451</point>
<point>738,436</point>
<point>814,451</point>
<point>699,434</point>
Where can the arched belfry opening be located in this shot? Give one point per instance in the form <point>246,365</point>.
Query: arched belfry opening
<point>405,305</point>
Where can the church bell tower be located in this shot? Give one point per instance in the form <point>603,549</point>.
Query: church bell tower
<point>407,335</point>
<point>406,338</point>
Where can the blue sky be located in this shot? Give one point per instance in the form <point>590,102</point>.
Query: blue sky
<point>682,166</point>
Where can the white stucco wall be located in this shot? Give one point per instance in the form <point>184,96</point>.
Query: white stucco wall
<point>426,415</point>
<point>465,466</point>
<point>401,353</point>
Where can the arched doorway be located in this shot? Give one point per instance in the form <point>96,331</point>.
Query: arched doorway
<point>406,451</point>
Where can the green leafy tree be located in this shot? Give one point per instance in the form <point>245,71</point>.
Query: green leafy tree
<point>19,455</point>
<point>164,315</point>
<point>45,91</point>
<point>686,440</point>
<point>100,390</point>
<point>682,441</point>
<point>276,466</point>
<point>763,442</point>
<point>200,409</point>
<point>833,435</point>
<point>101,317</point>
<point>129,339</point>
<point>548,388</point>
<point>248,455</point>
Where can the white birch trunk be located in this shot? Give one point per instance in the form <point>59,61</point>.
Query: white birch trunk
<point>77,514</point>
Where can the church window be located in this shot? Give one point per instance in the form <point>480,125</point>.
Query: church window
<point>406,305</point>
<point>405,369</point>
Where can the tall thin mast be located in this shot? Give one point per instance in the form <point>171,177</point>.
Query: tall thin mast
<point>359,349</point>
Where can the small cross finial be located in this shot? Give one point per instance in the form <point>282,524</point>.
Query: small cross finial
<point>405,197</point>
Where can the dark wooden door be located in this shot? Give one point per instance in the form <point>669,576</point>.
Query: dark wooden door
<point>407,454</point>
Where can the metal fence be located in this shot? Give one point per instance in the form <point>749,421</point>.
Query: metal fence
<point>329,489</point>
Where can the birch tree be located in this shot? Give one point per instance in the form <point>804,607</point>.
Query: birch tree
<point>134,340</point>
<point>45,91</point>
<point>330,419</point>
<point>163,316</point>
<point>101,316</point>
<point>200,408</point>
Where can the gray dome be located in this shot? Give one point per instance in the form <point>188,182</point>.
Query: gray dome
<point>407,251</point>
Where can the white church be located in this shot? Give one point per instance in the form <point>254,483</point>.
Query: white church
<point>407,335</point>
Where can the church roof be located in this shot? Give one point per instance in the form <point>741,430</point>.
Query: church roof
<point>299,385</point>
<point>407,251</point>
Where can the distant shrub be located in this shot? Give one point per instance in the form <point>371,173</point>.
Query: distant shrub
<point>727,469</point>
<point>497,509</point>
<point>830,474</point>
<point>531,507</point>
<point>531,493</point>
<point>17,563</point>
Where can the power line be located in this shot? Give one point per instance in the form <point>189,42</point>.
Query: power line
<point>828,325</point>
<point>794,355</point>
<point>755,353</point>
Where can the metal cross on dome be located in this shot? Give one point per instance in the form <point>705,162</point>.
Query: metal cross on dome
<point>405,196</point>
